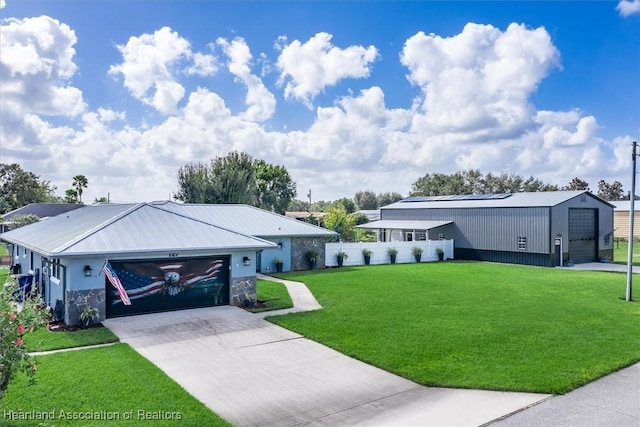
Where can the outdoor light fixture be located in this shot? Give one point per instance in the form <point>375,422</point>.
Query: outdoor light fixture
<point>280,245</point>
<point>246,260</point>
<point>87,271</point>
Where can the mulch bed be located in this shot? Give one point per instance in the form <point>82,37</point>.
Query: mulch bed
<point>61,327</point>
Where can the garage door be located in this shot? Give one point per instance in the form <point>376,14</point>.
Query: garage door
<point>583,235</point>
<point>169,284</point>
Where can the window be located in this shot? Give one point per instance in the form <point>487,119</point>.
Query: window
<point>55,268</point>
<point>440,236</point>
<point>421,235</point>
<point>522,243</point>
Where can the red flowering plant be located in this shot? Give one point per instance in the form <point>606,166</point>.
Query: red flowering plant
<point>18,316</point>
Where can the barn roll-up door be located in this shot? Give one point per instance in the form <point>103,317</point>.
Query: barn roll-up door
<point>583,235</point>
<point>169,284</point>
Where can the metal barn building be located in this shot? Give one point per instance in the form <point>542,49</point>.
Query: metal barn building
<point>542,228</point>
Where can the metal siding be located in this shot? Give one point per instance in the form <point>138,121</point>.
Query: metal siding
<point>560,225</point>
<point>540,260</point>
<point>494,229</point>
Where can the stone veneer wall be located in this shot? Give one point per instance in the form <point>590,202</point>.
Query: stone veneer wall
<point>300,246</point>
<point>76,300</point>
<point>243,289</point>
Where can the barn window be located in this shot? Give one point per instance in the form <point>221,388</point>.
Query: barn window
<point>522,243</point>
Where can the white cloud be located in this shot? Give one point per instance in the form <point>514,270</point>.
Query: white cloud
<point>3,4</point>
<point>307,68</point>
<point>37,65</point>
<point>150,63</point>
<point>628,7</point>
<point>261,103</point>
<point>478,83</point>
<point>474,112</point>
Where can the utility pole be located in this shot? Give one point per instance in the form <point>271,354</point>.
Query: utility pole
<point>631,218</point>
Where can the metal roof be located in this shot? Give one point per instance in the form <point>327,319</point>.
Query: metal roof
<point>247,220</point>
<point>42,210</point>
<point>398,224</point>
<point>516,200</point>
<point>371,214</point>
<point>625,205</point>
<point>109,229</point>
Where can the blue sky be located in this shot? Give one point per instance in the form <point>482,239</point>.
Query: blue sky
<point>347,95</point>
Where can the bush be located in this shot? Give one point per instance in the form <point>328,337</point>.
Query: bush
<point>16,321</point>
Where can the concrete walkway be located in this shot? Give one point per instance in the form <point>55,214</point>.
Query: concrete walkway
<point>301,296</point>
<point>603,266</point>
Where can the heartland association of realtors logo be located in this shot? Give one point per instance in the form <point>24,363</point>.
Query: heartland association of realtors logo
<point>53,415</point>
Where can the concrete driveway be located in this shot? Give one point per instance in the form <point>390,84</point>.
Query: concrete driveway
<point>254,373</point>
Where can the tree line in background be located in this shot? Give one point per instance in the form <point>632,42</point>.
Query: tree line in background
<point>475,182</point>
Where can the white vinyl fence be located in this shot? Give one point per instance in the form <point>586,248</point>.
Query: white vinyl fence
<point>379,249</point>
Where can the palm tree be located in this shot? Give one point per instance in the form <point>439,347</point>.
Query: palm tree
<point>80,182</point>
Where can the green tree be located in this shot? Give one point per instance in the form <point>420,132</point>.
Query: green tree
<point>473,182</point>
<point>228,179</point>
<point>347,203</point>
<point>385,199</point>
<point>297,205</point>
<point>236,178</point>
<point>274,187</point>
<point>337,219</point>
<point>576,184</point>
<point>19,188</point>
<point>610,191</point>
<point>22,220</point>
<point>79,183</point>
<point>71,196</point>
<point>366,200</point>
<point>15,322</point>
<point>102,199</point>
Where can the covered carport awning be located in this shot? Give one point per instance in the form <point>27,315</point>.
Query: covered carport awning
<point>399,224</point>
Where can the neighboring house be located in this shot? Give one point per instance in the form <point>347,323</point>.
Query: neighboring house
<point>305,216</point>
<point>621,219</point>
<point>372,215</point>
<point>543,228</point>
<point>168,256</point>
<point>41,210</point>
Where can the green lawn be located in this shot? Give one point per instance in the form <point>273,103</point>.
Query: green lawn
<point>475,325</point>
<point>112,381</point>
<point>620,252</point>
<point>274,294</point>
<point>43,339</point>
<point>4,274</point>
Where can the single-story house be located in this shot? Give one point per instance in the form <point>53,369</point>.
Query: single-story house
<point>166,255</point>
<point>621,211</point>
<point>541,228</point>
<point>41,210</point>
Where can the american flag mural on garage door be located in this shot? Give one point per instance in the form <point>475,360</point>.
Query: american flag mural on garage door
<point>162,285</point>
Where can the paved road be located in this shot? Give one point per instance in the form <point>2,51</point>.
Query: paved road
<point>610,401</point>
